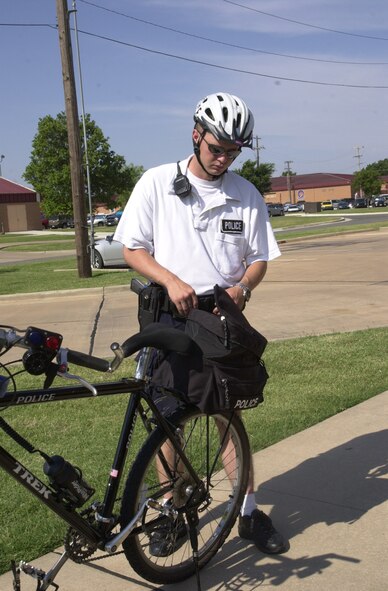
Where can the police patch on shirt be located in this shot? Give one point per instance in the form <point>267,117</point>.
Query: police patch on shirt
<point>232,226</point>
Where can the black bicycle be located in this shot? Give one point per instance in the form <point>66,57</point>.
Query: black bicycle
<point>199,463</point>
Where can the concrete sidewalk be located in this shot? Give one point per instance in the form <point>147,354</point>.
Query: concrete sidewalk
<point>326,488</point>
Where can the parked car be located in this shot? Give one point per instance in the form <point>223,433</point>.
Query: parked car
<point>326,205</point>
<point>99,219</point>
<point>108,253</point>
<point>294,207</point>
<point>111,219</point>
<point>343,205</point>
<point>359,202</point>
<point>44,221</point>
<point>379,201</point>
<point>275,209</point>
<point>60,221</point>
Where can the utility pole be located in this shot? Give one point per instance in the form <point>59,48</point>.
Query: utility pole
<point>73,132</point>
<point>287,165</point>
<point>257,149</point>
<point>358,156</point>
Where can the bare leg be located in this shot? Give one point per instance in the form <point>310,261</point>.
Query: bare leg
<point>164,475</point>
<point>229,459</point>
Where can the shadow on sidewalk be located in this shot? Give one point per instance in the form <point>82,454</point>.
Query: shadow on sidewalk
<point>338,486</point>
<point>341,485</point>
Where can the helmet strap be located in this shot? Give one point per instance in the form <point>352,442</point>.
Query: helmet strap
<point>196,150</point>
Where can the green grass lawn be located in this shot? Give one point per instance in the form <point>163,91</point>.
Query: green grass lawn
<point>56,275</point>
<point>44,246</point>
<point>311,379</point>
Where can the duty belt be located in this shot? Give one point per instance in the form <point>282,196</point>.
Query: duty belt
<point>205,303</point>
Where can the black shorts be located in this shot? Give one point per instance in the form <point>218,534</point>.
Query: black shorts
<point>166,403</point>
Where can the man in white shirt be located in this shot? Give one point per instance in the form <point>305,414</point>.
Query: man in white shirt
<point>193,224</point>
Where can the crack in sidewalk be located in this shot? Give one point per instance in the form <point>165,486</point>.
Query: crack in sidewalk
<point>95,324</point>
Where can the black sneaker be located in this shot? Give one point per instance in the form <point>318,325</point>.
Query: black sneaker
<point>258,528</point>
<point>168,537</point>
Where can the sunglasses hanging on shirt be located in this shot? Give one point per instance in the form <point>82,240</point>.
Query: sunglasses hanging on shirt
<point>182,186</point>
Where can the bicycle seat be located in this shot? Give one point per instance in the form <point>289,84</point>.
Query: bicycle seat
<point>161,337</point>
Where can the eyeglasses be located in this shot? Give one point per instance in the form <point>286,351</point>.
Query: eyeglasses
<point>219,151</point>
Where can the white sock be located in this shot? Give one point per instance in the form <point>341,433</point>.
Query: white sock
<point>248,505</point>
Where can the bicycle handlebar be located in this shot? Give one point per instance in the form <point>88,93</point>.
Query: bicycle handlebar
<point>85,360</point>
<point>43,346</point>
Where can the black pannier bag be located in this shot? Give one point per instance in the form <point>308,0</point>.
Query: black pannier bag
<point>231,374</point>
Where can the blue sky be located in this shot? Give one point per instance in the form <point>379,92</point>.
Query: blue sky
<point>144,100</point>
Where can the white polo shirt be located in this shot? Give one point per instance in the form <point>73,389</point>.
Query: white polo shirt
<point>206,238</point>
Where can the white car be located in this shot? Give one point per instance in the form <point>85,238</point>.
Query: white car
<point>108,253</point>
<point>98,220</point>
<point>294,207</point>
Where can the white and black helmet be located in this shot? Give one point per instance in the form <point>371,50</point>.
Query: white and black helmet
<point>226,117</point>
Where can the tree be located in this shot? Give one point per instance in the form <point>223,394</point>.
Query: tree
<point>135,174</point>
<point>49,168</point>
<point>381,166</point>
<point>260,176</point>
<point>367,179</point>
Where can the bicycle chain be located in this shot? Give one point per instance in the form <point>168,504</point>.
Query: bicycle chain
<point>103,556</point>
<point>79,550</point>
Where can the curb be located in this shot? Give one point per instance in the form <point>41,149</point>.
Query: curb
<point>64,293</point>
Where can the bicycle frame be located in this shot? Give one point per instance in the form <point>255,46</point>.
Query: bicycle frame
<point>137,391</point>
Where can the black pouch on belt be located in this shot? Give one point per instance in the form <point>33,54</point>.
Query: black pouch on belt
<point>151,303</point>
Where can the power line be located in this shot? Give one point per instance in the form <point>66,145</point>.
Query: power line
<point>290,20</point>
<point>224,43</point>
<point>27,25</point>
<point>227,68</point>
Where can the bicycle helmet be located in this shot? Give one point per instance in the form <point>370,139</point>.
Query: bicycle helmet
<point>226,117</point>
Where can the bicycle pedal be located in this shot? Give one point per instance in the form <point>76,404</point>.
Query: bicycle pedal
<point>32,571</point>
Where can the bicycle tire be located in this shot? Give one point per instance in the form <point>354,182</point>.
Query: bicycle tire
<point>215,520</point>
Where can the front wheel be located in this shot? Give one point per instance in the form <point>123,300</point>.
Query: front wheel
<point>218,449</point>
<point>98,262</point>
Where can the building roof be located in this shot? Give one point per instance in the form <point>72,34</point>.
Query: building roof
<point>11,192</point>
<point>311,181</point>
<point>9,187</point>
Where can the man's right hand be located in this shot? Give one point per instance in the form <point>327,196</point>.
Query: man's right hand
<point>182,295</point>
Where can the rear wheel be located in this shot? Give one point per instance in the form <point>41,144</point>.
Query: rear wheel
<point>218,449</point>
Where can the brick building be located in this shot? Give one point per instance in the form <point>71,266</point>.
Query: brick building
<point>316,187</point>
<point>19,208</point>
